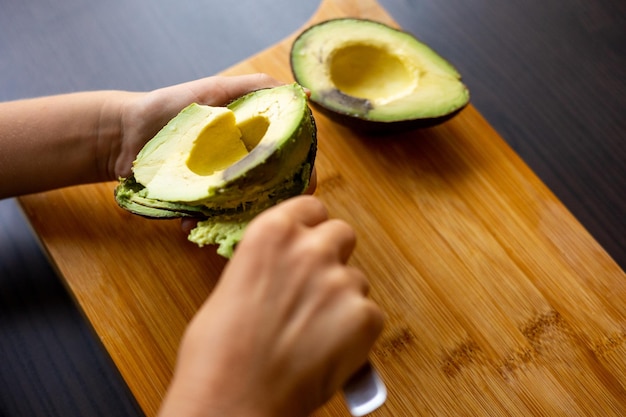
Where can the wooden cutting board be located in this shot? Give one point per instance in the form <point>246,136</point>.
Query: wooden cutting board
<point>498,302</point>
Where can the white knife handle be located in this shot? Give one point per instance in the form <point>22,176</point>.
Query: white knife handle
<point>365,391</point>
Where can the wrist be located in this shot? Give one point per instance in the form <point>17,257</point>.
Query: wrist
<point>111,133</point>
<point>192,393</point>
<point>185,404</point>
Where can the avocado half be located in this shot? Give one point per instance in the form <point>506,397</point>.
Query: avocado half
<point>376,78</point>
<point>225,164</point>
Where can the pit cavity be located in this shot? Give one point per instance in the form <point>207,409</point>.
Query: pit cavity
<point>222,143</point>
<point>370,72</point>
<point>253,130</point>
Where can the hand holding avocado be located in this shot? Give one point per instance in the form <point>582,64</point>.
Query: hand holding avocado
<point>143,115</point>
<point>226,164</point>
<point>94,136</point>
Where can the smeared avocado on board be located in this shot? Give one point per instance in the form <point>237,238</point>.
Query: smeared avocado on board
<point>374,77</point>
<point>225,164</point>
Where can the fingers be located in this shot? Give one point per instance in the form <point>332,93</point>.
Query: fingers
<point>337,237</point>
<point>360,280</point>
<point>220,90</point>
<point>321,237</point>
<point>188,223</point>
<point>305,209</point>
<point>312,182</point>
<point>332,236</point>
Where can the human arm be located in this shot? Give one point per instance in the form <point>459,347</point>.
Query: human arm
<point>303,314</point>
<point>78,138</point>
<point>287,324</point>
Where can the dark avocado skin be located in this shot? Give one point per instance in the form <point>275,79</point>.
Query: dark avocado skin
<point>155,209</point>
<point>357,123</point>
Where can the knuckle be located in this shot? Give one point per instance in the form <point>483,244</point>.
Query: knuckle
<point>344,229</point>
<point>336,280</point>
<point>368,319</point>
<point>269,226</point>
<point>341,280</point>
<point>373,318</point>
<point>310,202</point>
<point>316,247</point>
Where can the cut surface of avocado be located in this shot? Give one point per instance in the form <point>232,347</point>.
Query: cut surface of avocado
<point>225,164</point>
<point>370,71</point>
<point>184,160</point>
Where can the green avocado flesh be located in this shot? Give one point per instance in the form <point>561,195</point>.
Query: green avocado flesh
<point>371,72</point>
<point>224,165</point>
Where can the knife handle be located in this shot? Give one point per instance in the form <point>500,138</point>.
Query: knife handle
<point>365,391</point>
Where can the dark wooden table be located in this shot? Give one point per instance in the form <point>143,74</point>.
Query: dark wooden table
<point>549,75</point>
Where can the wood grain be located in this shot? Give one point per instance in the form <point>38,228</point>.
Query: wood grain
<point>497,300</point>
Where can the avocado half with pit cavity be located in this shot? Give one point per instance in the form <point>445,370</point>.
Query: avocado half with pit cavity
<point>225,164</point>
<point>376,78</point>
